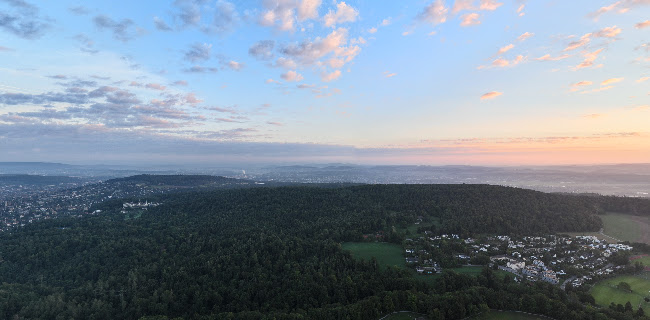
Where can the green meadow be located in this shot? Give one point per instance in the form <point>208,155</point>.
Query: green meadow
<point>606,291</point>
<point>387,254</point>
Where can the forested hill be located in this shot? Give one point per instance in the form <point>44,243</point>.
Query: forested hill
<point>273,252</point>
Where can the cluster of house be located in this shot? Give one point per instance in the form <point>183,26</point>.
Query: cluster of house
<point>529,258</point>
<point>534,271</point>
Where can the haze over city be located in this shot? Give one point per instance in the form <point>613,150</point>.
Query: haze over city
<point>377,82</point>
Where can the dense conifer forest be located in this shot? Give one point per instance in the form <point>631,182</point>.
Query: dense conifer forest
<point>275,253</point>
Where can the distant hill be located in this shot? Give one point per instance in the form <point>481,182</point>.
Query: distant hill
<point>178,180</point>
<point>26,179</point>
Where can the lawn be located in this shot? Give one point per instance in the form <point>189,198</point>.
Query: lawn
<point>507,315</point>
<point>606,291</point>
<point>387,254</point>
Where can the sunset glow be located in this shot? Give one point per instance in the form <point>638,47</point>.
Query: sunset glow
<point>479,82</point>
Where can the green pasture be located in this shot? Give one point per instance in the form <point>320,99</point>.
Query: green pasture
<point>645,261</point>
<point>387,254</point>
<point>606,291</point>
<point>624,226</point>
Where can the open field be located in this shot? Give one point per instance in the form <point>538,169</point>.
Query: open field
<point>387,254</point>
<point>606,291</point>
<point>644,259</point>
<point>626,227</point>
<point>508,315</point>
<point>403,316</point>
<point>621,227</point>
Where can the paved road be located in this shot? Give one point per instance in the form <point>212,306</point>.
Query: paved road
<point>563,285</point>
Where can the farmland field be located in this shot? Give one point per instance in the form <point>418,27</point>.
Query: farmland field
<point>606,291</point>
<point>387,254</point>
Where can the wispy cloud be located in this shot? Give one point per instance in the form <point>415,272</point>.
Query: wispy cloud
<point>327,77</point>
<point>161,25</point>
<point>643,24</point>
<point>292,76</point>
<point>470,19</point>
<point>525,36</point>
<point>576,86</point>
<point>23,20</point>
<point>504,49</point>
<point>389,74</point>
<point>502,62</point>
<point>598,90</point>
<point>434,13</point>
<point>262,50</point>
<point>198,52</point>
<point>548,57</point>
<point>589,59</point>
<point>621,6</point>
<point>122,30</point>
<point>491,95</point>
<point>79,10</point>
<point>283,15</point>
<point>608,32</point>
<point>201,69</point>
<point>584,40</point>
<point>611,81</point>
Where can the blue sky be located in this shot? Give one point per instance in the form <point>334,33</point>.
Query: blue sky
<point>288,81</point>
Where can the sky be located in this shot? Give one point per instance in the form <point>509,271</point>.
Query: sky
<point>471,82</point>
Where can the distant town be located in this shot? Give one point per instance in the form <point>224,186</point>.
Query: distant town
<point>556,259</point>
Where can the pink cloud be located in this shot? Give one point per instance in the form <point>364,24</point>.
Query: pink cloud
<point>609,32</point>
<point>490,5</point>
<point>548,57</point>
<point>611,81</point>
<point>470,19</point>
<point>434,13</point>
<point>505,49</point>
<point>590,57</point>
<point>156,86</point>
<point>525,36</point>
<point>643,24</point>
<point>580,43</point>
<point>491,95</point>
<point>291,76</point>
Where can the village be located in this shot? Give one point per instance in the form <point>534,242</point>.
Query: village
<point>556,259</point>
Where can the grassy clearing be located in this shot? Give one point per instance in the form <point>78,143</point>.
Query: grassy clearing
<point>624,226</point>
<point>403,316</point>
<point>606,291</point>
<point>387,254</point>
<point>508,315</point>
<point>644,260</point>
